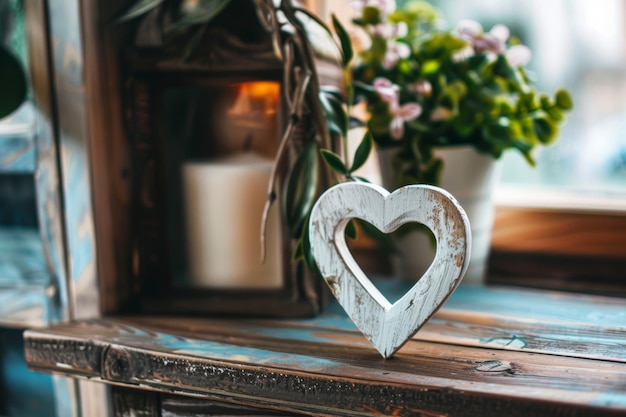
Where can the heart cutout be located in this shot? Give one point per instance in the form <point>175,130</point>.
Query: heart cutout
<point>388,326</point>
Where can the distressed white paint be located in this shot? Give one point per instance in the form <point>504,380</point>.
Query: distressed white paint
<point>388,326</point>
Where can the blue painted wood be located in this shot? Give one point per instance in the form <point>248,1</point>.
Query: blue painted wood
<point>27,291</point>
<point>22,259</point>
<point>26,306</point>
<point>17,141</point>
<point>537,306</point>
<point>324,366</point>
<point>32,261</point>
<point>49,211</point>
<point>68,60</point>
<point>473,316</point>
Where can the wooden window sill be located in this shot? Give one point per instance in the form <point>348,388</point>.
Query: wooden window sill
<point>489,351</point>
<point>559,250</point>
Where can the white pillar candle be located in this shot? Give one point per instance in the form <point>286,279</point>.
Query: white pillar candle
<point>224,202</point>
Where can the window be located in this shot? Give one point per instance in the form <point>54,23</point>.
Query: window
<point>580,45</point>
<point>573,203</point>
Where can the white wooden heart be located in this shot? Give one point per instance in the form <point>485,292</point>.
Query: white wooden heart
<point>388,326</point>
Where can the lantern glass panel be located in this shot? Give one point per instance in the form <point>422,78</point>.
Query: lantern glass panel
<point>219,146</point>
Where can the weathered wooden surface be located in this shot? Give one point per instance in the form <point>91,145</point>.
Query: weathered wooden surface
<point>108,150</point>
<point>72,101</point>
<point>135,403</point>
<point>17,141</point>
<point>31,255</point>
<point>22,260</point>
<point>138,403</point>
<point>486,352</point>
<point>388,326</point>
<point>559,232</point>
<point>47,176</point>
<point>27,305</point>
<point>573,273</point>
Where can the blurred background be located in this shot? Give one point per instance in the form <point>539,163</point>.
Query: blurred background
<point>579,45</point>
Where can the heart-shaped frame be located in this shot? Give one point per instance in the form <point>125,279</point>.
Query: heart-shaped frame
<point>388,326</point>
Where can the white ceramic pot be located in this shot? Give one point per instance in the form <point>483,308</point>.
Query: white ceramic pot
<point>470,177</point>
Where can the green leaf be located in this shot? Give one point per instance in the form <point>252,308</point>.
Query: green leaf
<point>344,39</point>
<point>313,17</point>
<point>545,129</point>
<point>476,61</point>
<point>498,133</point>
<point>138,8</point>
<point>529,158</point>
<point>351,231</point>
<point>523,146</point>
<point>194,42</point>
<point>334,162</point>
<point>336,116</point>
<point>564,100</point>
<point>503,68</point>
<point>298,252</point>
<point>301,188</point>
<point>306,247</point>
<point>203,13</point>
<point>333,91</point>
<point>371,16</point>
<point>13,85</point>
<point>555,113</point>
<point>354,122</point>
<point>362,152</point>
<point>430,67</point>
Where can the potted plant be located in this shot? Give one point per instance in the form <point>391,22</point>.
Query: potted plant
<point>443,105</point>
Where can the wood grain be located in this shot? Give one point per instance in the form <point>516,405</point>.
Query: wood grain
<point>108,151</point>
<point>47,176</point>
<point>27,305</point>
<point>22,260</point>
<point>553,232</point>
<point>583,327</point>
<point>388,326</point>
<point>17,142</point>
<point>71,99</point>
<point>569,362</point>
<point>136,403</point>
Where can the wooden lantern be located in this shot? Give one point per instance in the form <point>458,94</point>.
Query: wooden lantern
<point>209,111</point>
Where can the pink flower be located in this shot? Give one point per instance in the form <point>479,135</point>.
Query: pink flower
<point>423,88</point>
<point>401,114</point>
<point>395,51</point>
<point>492,42</point>
<point>518,55</point>
<point>390,93</point>
<point>389,30</point>
<point>387,90</point>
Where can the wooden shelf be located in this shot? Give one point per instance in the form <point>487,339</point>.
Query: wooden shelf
<point>488,351</point>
